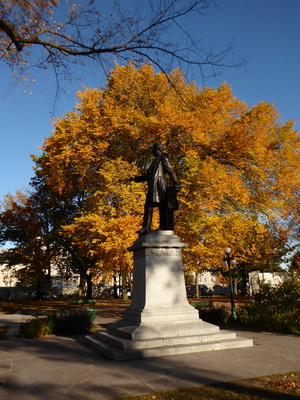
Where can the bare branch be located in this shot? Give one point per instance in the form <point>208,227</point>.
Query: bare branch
<point>138,35</point>
<point>9,30</point>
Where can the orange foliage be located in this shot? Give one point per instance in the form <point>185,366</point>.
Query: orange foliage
<point>235,163</point>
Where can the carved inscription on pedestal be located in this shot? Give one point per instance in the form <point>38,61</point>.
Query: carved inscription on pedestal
<point>163,251</point>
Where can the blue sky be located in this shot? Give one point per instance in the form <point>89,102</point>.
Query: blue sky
<point>267,31</point>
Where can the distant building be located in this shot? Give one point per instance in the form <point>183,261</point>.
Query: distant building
<point>6,277</point>
<point>209,284</point>
<point>8,289</point>
<point>256,278</point>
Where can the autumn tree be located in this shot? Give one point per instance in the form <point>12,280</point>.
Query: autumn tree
<point>63,211</point>
<point>295,263</point>
<point>107,226</point>
<point>238,165</point>
<point>34,222</point>
<point>58,35</point>
<point>26,222</point>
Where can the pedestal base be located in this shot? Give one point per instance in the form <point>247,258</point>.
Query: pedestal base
<point>159,320</point>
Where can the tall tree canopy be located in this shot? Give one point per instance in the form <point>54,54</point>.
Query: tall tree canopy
<point>238,165</point>
<point>56,34</point>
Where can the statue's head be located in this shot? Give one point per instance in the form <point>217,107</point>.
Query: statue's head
<point>157,149</point>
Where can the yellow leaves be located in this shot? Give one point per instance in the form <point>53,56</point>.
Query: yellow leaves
<point>233,162</point>
<point>89,100</point>
<point>105,237</point>
<point>117,194</point>
<point>212,186</point>
<point>248,238</point>
<point>108,228</point>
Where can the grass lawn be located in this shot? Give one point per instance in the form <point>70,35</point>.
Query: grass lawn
<point>278,387</point>
<point>36,306</point>
<point>31,306</point>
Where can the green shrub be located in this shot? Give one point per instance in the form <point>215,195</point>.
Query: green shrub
<point>215,315</point>
<point>58,323</point>
<point>37,327</point>
<point>71,322</point>
<point>275,308</point>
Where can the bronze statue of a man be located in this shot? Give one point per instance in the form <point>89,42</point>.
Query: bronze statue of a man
<point>160,194</point>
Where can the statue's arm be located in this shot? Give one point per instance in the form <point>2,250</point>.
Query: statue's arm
<point>141,178</point>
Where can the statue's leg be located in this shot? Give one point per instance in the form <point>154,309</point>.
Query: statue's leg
<point>166,217</point>
<point>147,220</point>
<point>162,216</point>
<point>170,219</point>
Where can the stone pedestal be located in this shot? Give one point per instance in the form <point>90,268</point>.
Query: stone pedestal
<point>159,320</point>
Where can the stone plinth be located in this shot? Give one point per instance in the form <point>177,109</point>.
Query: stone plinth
<point>159,320</point>
<point>159,293</point>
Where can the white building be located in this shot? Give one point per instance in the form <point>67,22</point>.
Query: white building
<point>256,278</point>
<point>6,277</point>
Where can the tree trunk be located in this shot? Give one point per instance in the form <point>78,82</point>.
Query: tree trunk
<point>115,287</point>
<point>49,283</point>
<point>130,282</point>
<point>124,287</point>
<point>39,288</point>
<point>89,293</point>
<point>82,281</point>
<point>197,284</point>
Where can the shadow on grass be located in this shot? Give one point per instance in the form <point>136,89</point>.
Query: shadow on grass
<point>230,390</point>
<point>255,392</point>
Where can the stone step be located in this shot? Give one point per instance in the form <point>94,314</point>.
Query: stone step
<point>118,354</point>
<point>126,344</point>
<point>168,329</point>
